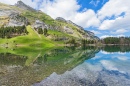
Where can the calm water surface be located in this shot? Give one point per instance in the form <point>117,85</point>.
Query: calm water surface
<point>84,66</point>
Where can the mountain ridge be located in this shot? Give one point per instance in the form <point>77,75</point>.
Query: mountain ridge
<point>24,15</point>
<point>22,5</point>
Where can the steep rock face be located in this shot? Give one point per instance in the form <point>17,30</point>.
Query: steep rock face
<point>17,20</point>
<point>6,12</point>
<point>70,22</point>
<point>20,4</point>
<point>86,34</point>
<point>39,24</point>
<point>68,30</point>
<point>21,14</point>
<point>12,18</point>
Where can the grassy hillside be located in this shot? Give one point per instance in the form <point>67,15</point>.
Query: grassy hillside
<point>33,38</point>
<point>56,29</point>
<point>3,20</point>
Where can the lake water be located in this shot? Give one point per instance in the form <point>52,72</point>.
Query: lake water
<point>68,66</point>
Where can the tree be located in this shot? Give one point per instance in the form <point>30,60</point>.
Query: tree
<point>45,31</point>
<point>40,31</point>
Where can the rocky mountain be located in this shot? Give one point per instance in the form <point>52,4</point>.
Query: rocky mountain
<point>21,14</point>
<point>21,5</point>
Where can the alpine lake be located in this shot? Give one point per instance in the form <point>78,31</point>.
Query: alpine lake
<point>65,66</point>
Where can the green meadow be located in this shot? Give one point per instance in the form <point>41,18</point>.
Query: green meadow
<point>30,40</point>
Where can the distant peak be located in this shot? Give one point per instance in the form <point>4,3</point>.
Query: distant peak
<point>22,5</point>
<point>20,2</point>
<point>61,19</point>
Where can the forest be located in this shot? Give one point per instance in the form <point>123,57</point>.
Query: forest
<point>9,32</point>
<point>116,40</point>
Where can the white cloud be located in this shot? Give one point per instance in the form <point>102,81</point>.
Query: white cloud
<point>86,19</point>
<point>60,8</point>
<point>95,32</point>
<point>108,65</point>
<point>124,58</point>
<point>31,3</point>
<point>113,9</point>
<point>120,31</point>
<point>105,52</point>
<point>107,24</point>
<point>107,18</point>
<point>116,66</point>
<point>104,36</point>
<point>11,2</point>
<point>68,9</point>
<point>95,3</point>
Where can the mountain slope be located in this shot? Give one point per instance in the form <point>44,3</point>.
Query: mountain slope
<point>21,14</point>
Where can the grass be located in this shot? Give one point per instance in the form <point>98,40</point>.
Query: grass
<point>3,20</point>
<point>28,45</point>
<point>30,40</point>
<point>32,16</point>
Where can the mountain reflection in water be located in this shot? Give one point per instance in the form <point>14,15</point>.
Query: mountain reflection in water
<point>110,67</point>
<point>22,67</point>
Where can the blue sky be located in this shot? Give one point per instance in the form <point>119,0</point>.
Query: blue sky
<point>103,17</point>
<point>91,4</point>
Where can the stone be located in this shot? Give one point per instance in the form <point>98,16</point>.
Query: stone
<point>39,24</point>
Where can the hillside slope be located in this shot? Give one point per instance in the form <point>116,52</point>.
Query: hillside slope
<point>21,14</point>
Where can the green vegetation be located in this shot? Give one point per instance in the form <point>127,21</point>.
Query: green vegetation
<point>45,31</point>
<point>116,40</point>
<point>31,67</point>
<point>116,48</point>
<point>9,32</point>
<point>3,20</point>
<point>32,16</point>
<point>40,31</point>
<point>54,34</point>
<point>33,38</point>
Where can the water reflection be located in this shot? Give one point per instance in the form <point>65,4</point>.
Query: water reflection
<point>116,48</point>
<point>105,69</point>
<point>24,67</point>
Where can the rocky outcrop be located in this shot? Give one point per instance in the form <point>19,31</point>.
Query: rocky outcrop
<point>20,4</point>
<point>14,18</point>
<point>68,30</point>
<point>60,19</point>
<point>90,33</point>
<point>39,24</point>
<point>87,34</point>
<point>17,20</point>
<point>6,12</point>
<point>70,22</point>
<point>11,16</point>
